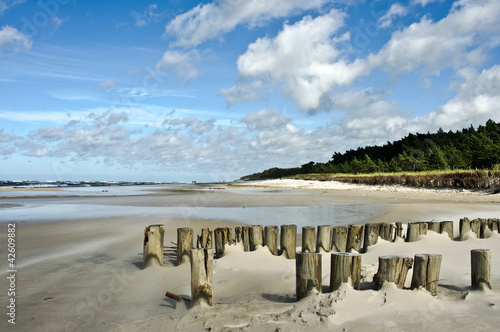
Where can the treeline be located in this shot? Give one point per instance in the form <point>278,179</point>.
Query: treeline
<point>468,148</point>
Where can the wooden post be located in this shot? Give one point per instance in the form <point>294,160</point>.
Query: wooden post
<point>153,245</point>
<point>434,227</point>
<point>220,241</point>
<point>205,239</point>
<point>271,239</point>
<point>345,265</point>
<point>482,228</point>
<point>339,239</point>
<point>184,244</point>
<point>245,237</point>
<point>415,230</point>
<point>426,272</point>
<point>399,230</point>
<point>480,260</point>
<point>371,235</point>
<point>256,237</point>
<point>324,238</point>
<point>288,240</point>
<point>308,239</point>
<point>354,238</point>
<point>492,224</point>
<point>308,274</point>
<point>475,226</point>
<point>385,231</point>
<point>464,227</point>
<point>201,275</point>
<point>446,227</point>
<point>392,269</point>
<point>237,233</point>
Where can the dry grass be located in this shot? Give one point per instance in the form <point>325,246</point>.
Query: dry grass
<point>477,179</point>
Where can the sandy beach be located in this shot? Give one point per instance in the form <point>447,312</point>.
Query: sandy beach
<point>79,260</point>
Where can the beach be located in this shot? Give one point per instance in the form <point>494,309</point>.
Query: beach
<point>79,264</point>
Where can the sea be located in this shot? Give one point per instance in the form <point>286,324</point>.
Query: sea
<point>66,200</point>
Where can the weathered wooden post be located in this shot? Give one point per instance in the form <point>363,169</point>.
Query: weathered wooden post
<point>237,234</point>
<point>392,269</point>
<point>288,240</point>
<point>220,242</point>
<point>434,227</point>
<point>201,275</point>
<point>475,226</point>
<point>184,244</point>
<point>415,230</point>
<point>205,239</point>
<point>345,265</point>
<point>399,230</point>
<point>480,260</point>
<point>245,237</point>
<point>371,235</point>
<point>446,227</point>
<point>256,237</point>
<point>324,238</point>
<point>308,239</point>
<point>307,273</point>
<point>153,245</point>
<point>385,231</point>
<point>492,224</point>
<point>464,227</point>
<point>354,237</point>
<point>339,239</point>
<point>271,239</point>
<point>482,228</point>
<point>426,270</point>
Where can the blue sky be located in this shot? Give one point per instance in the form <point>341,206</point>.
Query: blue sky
<point>211,91</point>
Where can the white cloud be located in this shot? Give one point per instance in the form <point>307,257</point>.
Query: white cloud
<point>396,10</point>
<point>182,63</point>
<point>147,16</point>
<point>304,58</point>
<point>109,84</point>
<point>423,3</point>
<point>476,102</point>
<point>458,40</point>
<point>6,4</point>
<point>211,20</point>
<point>12,40</point>
<point>243,91</point>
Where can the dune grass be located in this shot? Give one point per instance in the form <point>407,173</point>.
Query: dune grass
<point>466,179</point>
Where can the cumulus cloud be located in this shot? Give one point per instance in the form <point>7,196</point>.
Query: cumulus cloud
<point>304,58</point>
<point>244,92</point>
<point>212,20</point>
<point>395,11</point>
<point>181,63</point>
<point>477,101</point>
<point>458,40</point>
<point>307,60</point>
<point>12,40</point>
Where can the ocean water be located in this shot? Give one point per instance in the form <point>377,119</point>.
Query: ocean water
<point>34,210</point>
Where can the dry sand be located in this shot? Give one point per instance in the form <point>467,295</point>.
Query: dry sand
<point>85,274</point>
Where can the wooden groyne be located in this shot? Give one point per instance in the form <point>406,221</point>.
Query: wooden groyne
<point>346,245</point>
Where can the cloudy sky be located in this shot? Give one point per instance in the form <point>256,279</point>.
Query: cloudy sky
<point>177,90</point>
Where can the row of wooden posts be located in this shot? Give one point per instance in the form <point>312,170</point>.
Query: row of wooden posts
<point>328,238</point>
<point>340,240</point>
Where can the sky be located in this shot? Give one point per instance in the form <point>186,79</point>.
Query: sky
<point>177,90</point>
